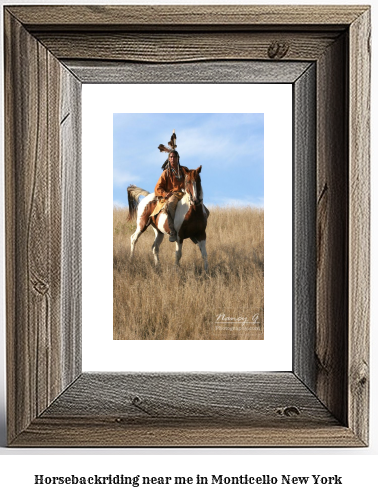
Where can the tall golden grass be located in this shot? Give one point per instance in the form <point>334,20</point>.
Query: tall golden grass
<point>183,304</point>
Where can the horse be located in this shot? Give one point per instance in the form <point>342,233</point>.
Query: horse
<point>190,217</point>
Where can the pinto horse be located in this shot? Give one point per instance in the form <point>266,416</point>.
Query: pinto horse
<point>190,217</point>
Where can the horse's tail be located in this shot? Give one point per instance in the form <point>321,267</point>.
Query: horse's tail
<point>133,194</point>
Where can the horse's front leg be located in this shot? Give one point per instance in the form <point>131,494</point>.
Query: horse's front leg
<point>133,240</point>
<point>156,245</point>
<point>178,251</point>
<point>202,246</point>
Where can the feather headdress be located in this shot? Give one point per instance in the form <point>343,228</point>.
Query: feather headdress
<point>172,147</point>
<point>171,143</point>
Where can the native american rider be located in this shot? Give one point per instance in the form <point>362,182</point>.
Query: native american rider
<point>171,184</point>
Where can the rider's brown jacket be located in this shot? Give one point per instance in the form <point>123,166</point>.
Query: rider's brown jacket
<point>169,182</point>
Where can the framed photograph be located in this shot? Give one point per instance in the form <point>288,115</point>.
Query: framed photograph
<point>214,289</point>
<point>322,53</point>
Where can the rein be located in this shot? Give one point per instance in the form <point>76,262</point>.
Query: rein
<point>198,202</point>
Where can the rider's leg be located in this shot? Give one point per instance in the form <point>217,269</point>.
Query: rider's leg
<point>171,210</point>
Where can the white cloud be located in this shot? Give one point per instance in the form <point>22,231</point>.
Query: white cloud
<point>118,204</point>
<point>211,139</point>
<point>122,178</point>
<point>237,202</point>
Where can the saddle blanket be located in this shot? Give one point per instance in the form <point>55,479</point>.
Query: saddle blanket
<point>162,202</point>
<point>159,206</point>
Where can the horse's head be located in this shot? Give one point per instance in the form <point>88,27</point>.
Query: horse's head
<point>193,186</point>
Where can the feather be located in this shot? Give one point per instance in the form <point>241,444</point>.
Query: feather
<point>172,142</point>
<point>163,149</point>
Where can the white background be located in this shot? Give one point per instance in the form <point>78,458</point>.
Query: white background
<point>100,351</point>
<point>357,466</point>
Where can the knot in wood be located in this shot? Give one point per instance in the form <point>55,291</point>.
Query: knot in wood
<point>362,375</point>
<point>41,287</point>
<point>288,411</point>
<point>140,404</point>
<point>277,50</point>
<point>136,400</point>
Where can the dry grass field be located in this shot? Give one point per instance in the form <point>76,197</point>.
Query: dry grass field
<point>184,304</point>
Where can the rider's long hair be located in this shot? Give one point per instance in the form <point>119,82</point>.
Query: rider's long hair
<point>167,165</point>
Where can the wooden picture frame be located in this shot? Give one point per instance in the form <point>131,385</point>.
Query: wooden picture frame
<point>49,52</point>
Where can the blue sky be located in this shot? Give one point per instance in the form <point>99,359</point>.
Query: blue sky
<point>230,148</point>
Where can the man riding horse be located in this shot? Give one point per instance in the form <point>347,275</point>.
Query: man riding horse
<point>171,184</point>
<point>177,187</point>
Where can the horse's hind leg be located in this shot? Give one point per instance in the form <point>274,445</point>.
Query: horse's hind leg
<point>156,245</point>
<point>202,247</point>
<point>143,221</point>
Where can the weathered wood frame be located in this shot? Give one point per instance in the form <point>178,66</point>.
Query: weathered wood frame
<point>49,52</point>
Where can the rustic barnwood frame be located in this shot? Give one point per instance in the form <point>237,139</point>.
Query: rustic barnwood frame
<point>49,52</point>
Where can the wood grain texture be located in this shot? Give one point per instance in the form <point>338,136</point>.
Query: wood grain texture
<point>181,47</point>
<point>184,15</point>
<point>199,72</point>
<point>33,227</point>
<point>70,160</point>
<point>332,230</point>
<point>31,148</point>
<point>197,409</point>
<point>243,397</point>
<point>359,226</point>
<point>99,432</point>
<point>304,227</point>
